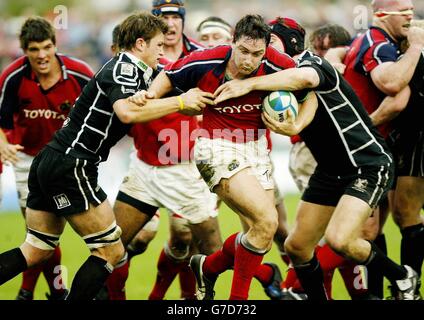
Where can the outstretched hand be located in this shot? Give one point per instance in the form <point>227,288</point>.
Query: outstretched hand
<point>231,89</point>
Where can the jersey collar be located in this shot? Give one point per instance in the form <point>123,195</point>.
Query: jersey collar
<point>147,71</point>
<point>386,35</point>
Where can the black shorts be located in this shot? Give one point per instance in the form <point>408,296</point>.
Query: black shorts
<point>62,184</point>
<point>408,153</point>
<point>370,184</point>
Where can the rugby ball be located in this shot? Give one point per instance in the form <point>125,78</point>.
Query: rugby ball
<point>278,103</point>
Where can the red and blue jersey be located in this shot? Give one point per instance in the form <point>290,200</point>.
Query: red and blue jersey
<point>32,113</point>
<point>366,53</point>
<point>237,119</point>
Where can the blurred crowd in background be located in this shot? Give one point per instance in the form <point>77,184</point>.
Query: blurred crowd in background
<point>88,24</point>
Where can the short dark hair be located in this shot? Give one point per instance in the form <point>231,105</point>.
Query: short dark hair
<point>139,25</point>
<point>254,27</point>
<point>36,29</point>
<point>337,35</point>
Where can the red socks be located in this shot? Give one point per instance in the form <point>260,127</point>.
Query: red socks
<point>116,282</point>
<point>246,264</point>
<point>264,274</point>
<point>30,277</point>
<point>51,272</point>
<point>187,283</point>
<point>221,260</point>
<point>168,269</point>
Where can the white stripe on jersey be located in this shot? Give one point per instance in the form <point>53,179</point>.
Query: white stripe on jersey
<point>102,111</point>
<point>78,75</point>
<point>88,183</point>
<point>271,65</point>
<point>79,184</point>
<point>351,126</point>
<point>341,131</point>
<point>95,130</point>
<point>362,147</point>
<point>7,80</point>
<point>368,35</point>
<point>194,64</point>
<point>76,59</point>
<point>85,121</point>
<point>106,133</point>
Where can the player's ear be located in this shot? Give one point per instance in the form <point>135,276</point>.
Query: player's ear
<point>140,43</point>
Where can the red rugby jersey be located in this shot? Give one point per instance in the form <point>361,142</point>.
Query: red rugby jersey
<point>238,119</point>
<point>365,53</point>
<point>34,114</point>
<point>170,139</point>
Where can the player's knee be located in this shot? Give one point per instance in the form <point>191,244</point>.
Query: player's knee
<point>107,243</point>
<point>337,242</point>
<point>39,246</point>
<point>294,248</point>
<point>181,238</point>
<point>178,251</point>
<point>267,226</point>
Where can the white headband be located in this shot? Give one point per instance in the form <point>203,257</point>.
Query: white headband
<point>215,27</point>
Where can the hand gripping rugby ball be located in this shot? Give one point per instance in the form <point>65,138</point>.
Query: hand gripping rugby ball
<point>278,103</point>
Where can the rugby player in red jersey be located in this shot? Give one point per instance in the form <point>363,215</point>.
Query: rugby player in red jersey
<point>232,153</point>
<point>37,93</point>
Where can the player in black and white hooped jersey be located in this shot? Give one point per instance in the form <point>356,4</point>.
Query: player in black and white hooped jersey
<point>354,172</point>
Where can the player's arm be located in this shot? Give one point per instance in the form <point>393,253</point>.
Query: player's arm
<point>8,152</point>
<point>392,77</point>
<point>336,56</point>
<point>160,86</point>
<point>191,102</point>
<point>390,107</point>
<point>292,79</point>
<point>290,126</point>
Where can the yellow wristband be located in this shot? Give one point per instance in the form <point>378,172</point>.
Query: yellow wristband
<point>181,102</point>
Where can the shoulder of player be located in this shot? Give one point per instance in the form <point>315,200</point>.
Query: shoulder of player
<point>308,58</point>
<point>17,66</point>
<point>120,69</point>
<point>207,57</point>
<point>278,59</point>
<point>76,67</point>
<point>375,38</point>
<point>191,44</point>
<point>13,71</point>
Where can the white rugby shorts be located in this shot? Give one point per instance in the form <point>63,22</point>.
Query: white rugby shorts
<point>178,188</point>
<point>219,159</point>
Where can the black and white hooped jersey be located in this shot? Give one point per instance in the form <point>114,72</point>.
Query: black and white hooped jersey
<point>341,136</point>
<point>92,127</point>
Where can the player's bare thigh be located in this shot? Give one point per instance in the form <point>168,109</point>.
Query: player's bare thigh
<point>255,205</point>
